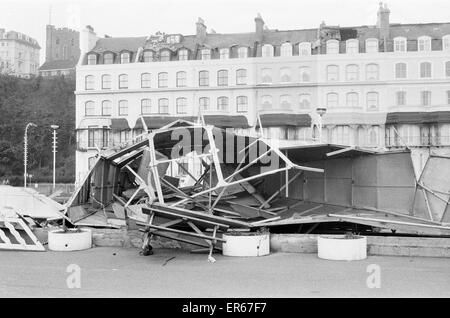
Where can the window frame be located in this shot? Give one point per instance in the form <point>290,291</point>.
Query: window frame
<point>377,95</point>
<point>348,72</point>
<point>90,103</point>
<point>148,106</point>
<point>336,67</point>
<point>398,71</point>
<point>160,106</point>
<point>332,47</point>
<point>92,57</point>
<point>400,44</point>
<point>89,82</point>
<point>429,71</point>
<point>123,78</point>
<point>146,80</point>
<point>108,81</point>
<point>103,107</point>
<point>123,104</point>
<point>239,104</point>
<point>329,101</point>
<point>184,105</point>
<point>222,80</point>
<point>181,81</point>
<point>239,77</point>
<point>219,104</point>
<point>202,105</point>
<point>124,60</point>
<point>163,80</point>
<point>352,102</point>
<point>203,78</point>
<point>368,72</point>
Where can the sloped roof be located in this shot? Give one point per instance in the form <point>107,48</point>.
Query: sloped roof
<point>119,44</point>
<point>58,65</point>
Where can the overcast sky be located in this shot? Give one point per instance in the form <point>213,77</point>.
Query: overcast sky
<point>144,17</point>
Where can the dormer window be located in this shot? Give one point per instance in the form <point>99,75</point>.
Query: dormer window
<point>352,46</point>
<point>243,52</point>
<point>332,47</point>
<point>304,48</point>
<point>400,44</point>
<point>165,55</point>
<point>267,50</point>
<point>108,58</point>
<point>124,58</point>
<point>183,55</point>
<point>372,45</point>
<point>206,54</point>
<point>173,39</point>
<point>224,54</point>
<point>446,43</point>
<point>92,59</point>
<point>148,56</point>
<point>424,44</point>
<point>286,49</point>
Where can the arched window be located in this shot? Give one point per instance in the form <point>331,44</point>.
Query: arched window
<point>285,102</point>
<point>332,73</point>
<point>243,52</point>
<point>304,48</point>
<point>89,82</point>
<point>123,107</point>
<point>108,58</point>
<point>204,103</point>
<point>286,49</point>
<point>206,54</point>
<point>305,101</point>
<point>222,103</point>
<point>332,100</point>
<point>183,55</point>
<point>425,69</point>
<point>267,50</point>
<point>352,72</point>
<point>352,99</point>
<point>372,45</point>
<point>399,44</point>
<point>165,55</point>
<point>146,106</point>
<point>241,77</point>
<point>92,59</point>
<point>285,75</point>
<point>148,56</point>
<point>181,79</point>
<point>123,81</point>
<point>203,78</point>
<point>266,102</point>
<point>372,72</point>
<point>224,54</point>
<point>106,81</point>
<point>89,108</point>
<point>400,70</point>
<point>181,105</point>
<point>163,78</point>
<point>305,74</point>
<point>332,47</point>
<point>426,98</point>
<point>424,44</point>
<point>222,78</point>
<point>266,75</point>
<point>106,108</point>
<point>372,101</point>
<point>241,104</point>
<point>124,58</point>
<point>163,106</point>
<point>352,46</point>
<point>145,80</point>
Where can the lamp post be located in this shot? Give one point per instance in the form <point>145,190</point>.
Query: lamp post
<point>25,153</point>
<point>320,111</point>
<point>54,127</point>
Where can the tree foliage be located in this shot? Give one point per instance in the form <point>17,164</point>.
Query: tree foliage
<point>44,102</point>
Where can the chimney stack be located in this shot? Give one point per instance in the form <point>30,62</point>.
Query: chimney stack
<point>88,39</point>
<point>259,28</point>
<point>383,21</point>
<point>201,31</point>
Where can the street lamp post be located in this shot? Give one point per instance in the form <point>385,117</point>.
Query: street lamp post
<point>320,111</point>
<point>25,153</point>
<point>54,127</point>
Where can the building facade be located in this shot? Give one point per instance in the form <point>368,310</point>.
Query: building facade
<point>19,54</point>
<point>62,51</point>
<point>383,86</point>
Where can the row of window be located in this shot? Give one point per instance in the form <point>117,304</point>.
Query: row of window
<point>163,79</point>
<point>352,73</point>
<point>425,98</point>
<point>222,104</point>
<point>286,49</point>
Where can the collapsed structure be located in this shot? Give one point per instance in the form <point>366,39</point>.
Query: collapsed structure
<point>247,183</point>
